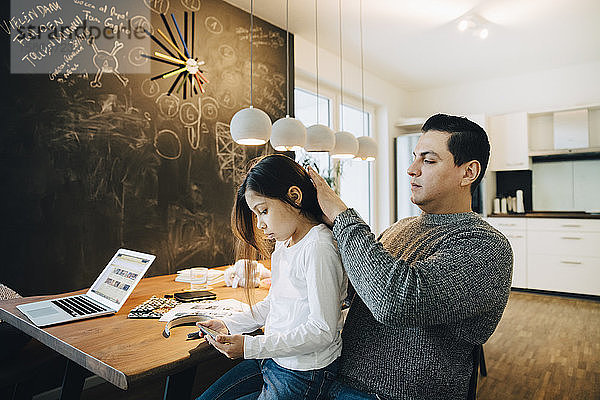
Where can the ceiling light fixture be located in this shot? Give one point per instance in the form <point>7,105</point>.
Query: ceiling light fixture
<point>475,24</point>
<point>318,137</point>
<point>251,126</point>
<point>346,144</point>
<point>367,147</point>
<point>288,134</point>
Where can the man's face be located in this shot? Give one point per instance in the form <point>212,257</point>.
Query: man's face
<point>435,180</point>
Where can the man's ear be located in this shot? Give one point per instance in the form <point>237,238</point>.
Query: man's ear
<point>471,171</point>
<point>295,194</point>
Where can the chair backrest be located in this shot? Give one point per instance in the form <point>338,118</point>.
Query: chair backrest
<point>476,353</point>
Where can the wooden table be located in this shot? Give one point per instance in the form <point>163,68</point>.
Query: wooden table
<point>122,350</point>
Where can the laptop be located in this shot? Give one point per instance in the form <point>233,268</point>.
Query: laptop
<point>106,296</point>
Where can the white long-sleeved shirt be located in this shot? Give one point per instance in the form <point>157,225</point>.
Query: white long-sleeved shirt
<point>302,312</point>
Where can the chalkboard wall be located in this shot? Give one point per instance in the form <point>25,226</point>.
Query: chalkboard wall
<point>94,158</point>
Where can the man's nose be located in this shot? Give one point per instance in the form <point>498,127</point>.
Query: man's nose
<point>412,169</point>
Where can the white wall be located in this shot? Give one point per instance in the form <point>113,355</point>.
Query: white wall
<point>543,90</point>
<point>389,100</point>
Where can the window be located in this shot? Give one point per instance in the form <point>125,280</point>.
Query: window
<point>355,183</point>
<point>305,107</point>
<point>405,145</point>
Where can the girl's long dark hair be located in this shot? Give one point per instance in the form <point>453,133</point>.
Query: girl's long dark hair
<point>269,176</point>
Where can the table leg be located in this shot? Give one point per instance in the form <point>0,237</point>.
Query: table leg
<point>73,381</point>
<point>179,386</point>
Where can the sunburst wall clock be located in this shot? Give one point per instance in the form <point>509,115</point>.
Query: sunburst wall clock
<point>189,75</point>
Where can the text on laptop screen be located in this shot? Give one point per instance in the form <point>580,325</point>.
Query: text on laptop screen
<point>122,273</point>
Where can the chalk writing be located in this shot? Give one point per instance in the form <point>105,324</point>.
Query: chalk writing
<point>149,88</point>
<point>192,5</point>
<point>210,109</point>
<point>261,38</point>
<point>135,56</point>
<point>168,105</point>
<point>29,16</point>
<point>157,6</point>
<point>213,25</point>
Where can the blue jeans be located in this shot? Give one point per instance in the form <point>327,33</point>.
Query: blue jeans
<point>266,380</point>
<point>339,391</point>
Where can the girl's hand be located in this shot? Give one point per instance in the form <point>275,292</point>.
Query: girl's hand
<point>230,345</point>
<point>214,324</point>
<point>330,202</point>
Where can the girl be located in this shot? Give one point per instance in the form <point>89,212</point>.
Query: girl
<point>296,358</point>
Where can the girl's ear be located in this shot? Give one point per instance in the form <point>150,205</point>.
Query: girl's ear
<point>295,194</point>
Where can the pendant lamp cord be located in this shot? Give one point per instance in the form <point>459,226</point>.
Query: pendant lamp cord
<point>362,69</point>
<point>287,55</point>
<point>341,63</point>
<point>251,41</point>
<point>317,55</point>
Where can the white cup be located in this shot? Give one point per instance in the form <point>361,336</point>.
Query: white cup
<point>198,278</point>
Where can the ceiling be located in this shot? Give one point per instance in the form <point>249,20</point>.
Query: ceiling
<point>416,45</point>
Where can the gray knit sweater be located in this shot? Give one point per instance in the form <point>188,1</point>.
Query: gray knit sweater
<point>427,292</point>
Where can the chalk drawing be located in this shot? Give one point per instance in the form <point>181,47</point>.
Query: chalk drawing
<point>150,88</point>
<point>213,25</point>
<point>193,136</point>
<point>230,78</point>
<point>188,114</point>
<point>163,135</point>
<point>210,110</point>
<point>192,5</point>
<point>226,99</point>
<point>157,6</point>
<point>230,156</point>
<point>106,62</point>
<point>189,233</point>
<point>226,51</point>
<point>168,105</point>
<point>135,56</point>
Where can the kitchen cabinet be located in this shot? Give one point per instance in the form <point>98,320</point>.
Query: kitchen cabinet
<point>564,255</point>
<point>554,254</point>
<point>508,136</point>
<point>515,231</point>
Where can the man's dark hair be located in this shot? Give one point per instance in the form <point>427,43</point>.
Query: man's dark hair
<point>468,141</point>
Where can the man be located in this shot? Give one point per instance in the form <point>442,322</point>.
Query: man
<point>433,287</point>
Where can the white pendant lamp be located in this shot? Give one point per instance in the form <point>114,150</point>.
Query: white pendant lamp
<point>318,137</point>
<point>367,146</point>
<point>288,134</point>
<point>346,144</point>
<point>250,126</point>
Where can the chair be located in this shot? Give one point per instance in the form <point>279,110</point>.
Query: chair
<point>478,366</point>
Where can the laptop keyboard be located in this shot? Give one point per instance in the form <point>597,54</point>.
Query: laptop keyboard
<point>78,305</point>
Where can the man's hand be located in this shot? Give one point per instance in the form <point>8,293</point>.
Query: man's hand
<point>230,345</point>
<point>330,202</point>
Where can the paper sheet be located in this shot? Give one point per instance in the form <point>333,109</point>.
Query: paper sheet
<point>209,308</point>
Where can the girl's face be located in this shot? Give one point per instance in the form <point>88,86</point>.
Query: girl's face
<point>276,218</point>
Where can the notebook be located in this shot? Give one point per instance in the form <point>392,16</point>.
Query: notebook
<point>106,296</point>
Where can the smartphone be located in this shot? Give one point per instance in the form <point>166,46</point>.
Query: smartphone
<point>195,295</point>
<point>210,332</point>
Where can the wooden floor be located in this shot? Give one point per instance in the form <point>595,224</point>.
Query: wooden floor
<point>546,347</point>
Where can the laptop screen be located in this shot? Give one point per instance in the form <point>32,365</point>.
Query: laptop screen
<point>122,274</point>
